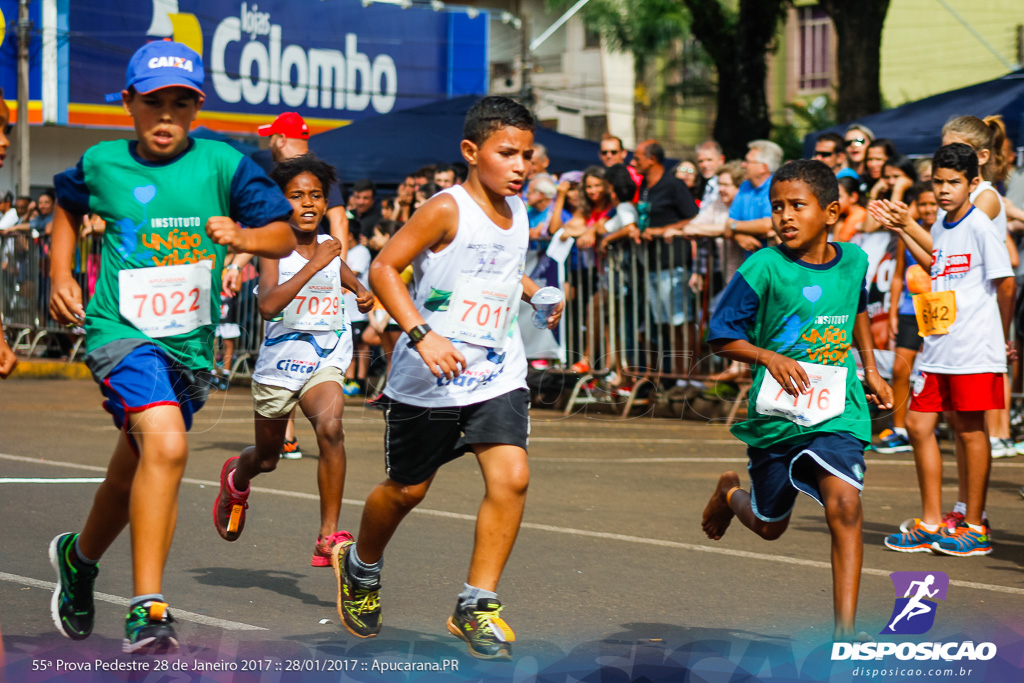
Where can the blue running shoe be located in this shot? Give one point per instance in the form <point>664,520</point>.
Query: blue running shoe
<point>891,441</point>
<point>916,539</point>
<point>963,542</point>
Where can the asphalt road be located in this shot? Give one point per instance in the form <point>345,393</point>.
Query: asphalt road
<point>610,573</point>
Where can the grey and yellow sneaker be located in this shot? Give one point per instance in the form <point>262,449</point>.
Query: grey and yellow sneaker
<point>483,629</point>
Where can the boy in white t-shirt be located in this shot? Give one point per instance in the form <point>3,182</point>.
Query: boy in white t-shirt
<point>965,322</point>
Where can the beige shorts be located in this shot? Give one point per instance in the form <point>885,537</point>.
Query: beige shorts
<point>271,401</point>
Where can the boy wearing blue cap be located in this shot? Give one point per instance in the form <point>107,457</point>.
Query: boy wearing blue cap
<point>172,206</point>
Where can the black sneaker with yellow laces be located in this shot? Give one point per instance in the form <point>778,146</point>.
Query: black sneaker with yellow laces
<point>481,626</point>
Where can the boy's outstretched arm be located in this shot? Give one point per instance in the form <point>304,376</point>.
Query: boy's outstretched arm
<point>273,240</point>
<point>433,226</point>
<point>881,392</point>
<point>65,294</point>
<point>786,371</point>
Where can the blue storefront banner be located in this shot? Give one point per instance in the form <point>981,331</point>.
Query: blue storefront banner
<point>333,61</point>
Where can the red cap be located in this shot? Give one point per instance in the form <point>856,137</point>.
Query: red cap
<point>288,124</point>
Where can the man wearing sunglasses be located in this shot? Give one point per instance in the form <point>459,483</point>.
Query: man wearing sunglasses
<point>830,149</point>
<point>612,152</point>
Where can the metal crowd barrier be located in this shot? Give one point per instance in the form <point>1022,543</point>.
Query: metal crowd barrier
<point>630,317</point>
<point>633,322</point>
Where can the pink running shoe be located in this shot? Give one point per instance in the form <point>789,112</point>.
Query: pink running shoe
<point>324,546</point>
<point>230,506</point>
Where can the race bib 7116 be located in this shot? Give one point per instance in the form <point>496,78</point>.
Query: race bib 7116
<point>825,400</point>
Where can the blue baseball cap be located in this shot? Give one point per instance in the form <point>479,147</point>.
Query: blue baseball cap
<point>165,64</point>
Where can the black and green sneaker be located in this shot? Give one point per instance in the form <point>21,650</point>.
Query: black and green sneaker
<point>149,630</point>
<point>72,606</point>
<point>483,629</point>
<point>358,607</point>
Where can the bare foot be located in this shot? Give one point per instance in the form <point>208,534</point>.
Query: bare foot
<point>845,635</point>
<point>717,513</point>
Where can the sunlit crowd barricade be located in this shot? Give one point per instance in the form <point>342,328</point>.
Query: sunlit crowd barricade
<point>633,327</point>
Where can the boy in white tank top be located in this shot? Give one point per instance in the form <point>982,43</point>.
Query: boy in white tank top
<point>302,361</point>
<point>458,374</point>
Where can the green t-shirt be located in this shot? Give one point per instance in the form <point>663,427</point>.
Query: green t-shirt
<point>803,311</point>
<point>156,216</point>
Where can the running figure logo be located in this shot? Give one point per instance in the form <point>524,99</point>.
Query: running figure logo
<point>914,613</point>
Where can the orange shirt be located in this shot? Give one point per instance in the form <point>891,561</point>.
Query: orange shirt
<point>848,227</point>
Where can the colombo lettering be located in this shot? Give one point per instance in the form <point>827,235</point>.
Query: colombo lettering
<point>323,78</point>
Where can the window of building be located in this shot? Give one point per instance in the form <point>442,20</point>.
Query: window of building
<point>815,45</point>
<point>594,127</point>
<point>591,38</point>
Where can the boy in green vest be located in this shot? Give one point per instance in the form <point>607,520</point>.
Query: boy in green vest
<point>172,205</point>
<point>792,312</point>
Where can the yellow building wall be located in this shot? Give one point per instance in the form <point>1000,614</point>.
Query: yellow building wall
<point>926,50</point>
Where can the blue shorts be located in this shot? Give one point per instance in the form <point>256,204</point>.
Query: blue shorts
<point>146,378</point>
<point>778,473</point>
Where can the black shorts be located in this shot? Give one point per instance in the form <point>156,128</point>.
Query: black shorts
<point>906,333</point>
<point>417,441</point>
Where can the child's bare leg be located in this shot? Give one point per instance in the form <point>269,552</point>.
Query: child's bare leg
<point>902,366</point>
<point>153,508</point>
<point>289,432</point>
<point>506,478</point>
<point>109,514</point>
<point>229,354</point>
<point>844,516</point>
<point>928,461</point>
<point>264,456</point>
<point>323,405</point>
<point>977,456</point>
<point>386,507</point>
<point>728,501</point>
<point>961,457</point>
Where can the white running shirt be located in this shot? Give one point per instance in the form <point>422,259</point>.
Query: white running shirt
<point>288,357</point>
<point>967,256</point>
<point>483,250</point>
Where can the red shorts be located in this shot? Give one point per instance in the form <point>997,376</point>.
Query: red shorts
<point>934,392</point>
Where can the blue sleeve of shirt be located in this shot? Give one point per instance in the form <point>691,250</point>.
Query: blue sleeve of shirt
<point>71,190</point>
<point>862,305</point>
<point>736,312</point>
<point>255,199</point>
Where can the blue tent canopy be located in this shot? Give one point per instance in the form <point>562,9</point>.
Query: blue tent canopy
<point>916,128</point>
<point>207,134</point>
<point>387,148</point>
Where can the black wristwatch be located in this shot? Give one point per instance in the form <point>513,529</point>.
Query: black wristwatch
<point>417,334</point>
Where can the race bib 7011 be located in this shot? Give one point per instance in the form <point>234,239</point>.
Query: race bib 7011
<point>481,311</point>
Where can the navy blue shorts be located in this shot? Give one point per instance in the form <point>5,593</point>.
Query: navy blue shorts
<point>146,378</point>
<point>778,473</point>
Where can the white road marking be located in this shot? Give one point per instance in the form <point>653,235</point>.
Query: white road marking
<point>124,602</point>
<point>66,480</point>
<point>584,533</point>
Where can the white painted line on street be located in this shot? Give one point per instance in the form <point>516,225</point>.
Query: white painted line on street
<point>584,533</point>
<point>66,480</point>
<point>124,602</point>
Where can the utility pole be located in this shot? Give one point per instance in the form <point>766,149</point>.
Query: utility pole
<point>525,66</point>
<point>24,183</point>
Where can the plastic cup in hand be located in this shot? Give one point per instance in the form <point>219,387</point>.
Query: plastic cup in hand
<point>544,302</point>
